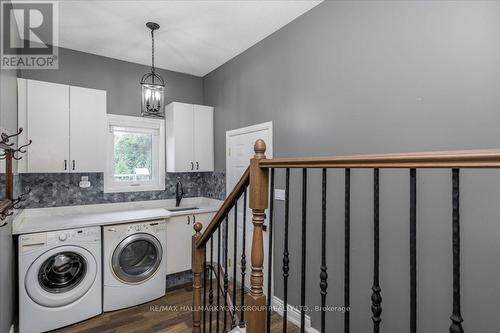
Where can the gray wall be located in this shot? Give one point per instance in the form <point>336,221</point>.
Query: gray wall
<point>373,77</point>
<point>119,78</point>
<point>8,121</point>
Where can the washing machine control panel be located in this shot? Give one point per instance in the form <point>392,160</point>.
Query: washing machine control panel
<point>80,235</point>
<point>30,242</point>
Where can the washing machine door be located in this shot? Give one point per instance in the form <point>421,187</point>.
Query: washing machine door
<point>137,258</point>
<point>61,276</point>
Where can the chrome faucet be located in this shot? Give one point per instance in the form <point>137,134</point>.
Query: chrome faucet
<point>179,193</point>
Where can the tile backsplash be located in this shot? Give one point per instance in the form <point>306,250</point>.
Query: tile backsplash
<point>62,189</point>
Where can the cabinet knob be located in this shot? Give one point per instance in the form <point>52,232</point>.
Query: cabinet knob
<point>189,219</point>
<point>197,166</point>
<point>192,166</point>
<point>74,165</point>
<point>65,164</point>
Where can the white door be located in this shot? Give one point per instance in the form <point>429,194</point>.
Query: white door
<point>87,130</point>
<point>203,138</point>
<point>239,151</point>
<point>47,114</point>
<point>180,118</point>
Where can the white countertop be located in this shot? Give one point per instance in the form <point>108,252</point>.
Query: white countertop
<point>68,217</point>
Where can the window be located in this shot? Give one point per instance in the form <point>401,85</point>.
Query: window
<point>136,154</point>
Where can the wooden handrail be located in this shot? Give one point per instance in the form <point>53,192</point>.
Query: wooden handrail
<point>226,207</point>
<point>489,158</point>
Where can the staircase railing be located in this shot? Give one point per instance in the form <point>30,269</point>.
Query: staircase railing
<point>218,310</point>
<point>256,315</point>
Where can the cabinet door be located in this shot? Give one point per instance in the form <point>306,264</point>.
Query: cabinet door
<point>180,138</point>
<point>204,219</point>
<point>87,130</point>
<point>179,242</point>
<point>47,124</point>
<point>203,138</point>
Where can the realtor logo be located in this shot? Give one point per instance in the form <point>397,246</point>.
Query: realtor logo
<point>29,31</point>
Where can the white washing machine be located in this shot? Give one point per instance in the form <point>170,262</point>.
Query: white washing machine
<point>60,280</point>
<point>134,263</point>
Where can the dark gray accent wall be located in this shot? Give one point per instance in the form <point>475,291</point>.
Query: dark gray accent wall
<point>354,77</point>
<point>119,78</point>
<point>121,81</point>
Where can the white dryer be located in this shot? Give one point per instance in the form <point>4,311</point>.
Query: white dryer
<point>60,280</point>
<point>134,263</point>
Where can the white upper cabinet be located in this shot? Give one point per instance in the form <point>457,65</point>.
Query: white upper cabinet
<point>204,137</point>
<point>46,122</point>
<point>190,137</point>
<point>67,125</point>
<point>87,129</point>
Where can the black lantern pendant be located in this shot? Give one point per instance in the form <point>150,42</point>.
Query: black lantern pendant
<point>152,85</point>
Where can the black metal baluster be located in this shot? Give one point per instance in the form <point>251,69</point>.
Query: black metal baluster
<point>376,298</point>
<point>270,253</point>
<point>211,290</point>
<point>243,260</point>
<point>324,274</point>
<point>286,260</point>
<point>226,232</point>
<point>235,256</point>
<point>218,278</point>
<point>413,251</point>
<point>204,288</point>
<point>347,249</point>
<point>456,317</point>
<point>303,256</point>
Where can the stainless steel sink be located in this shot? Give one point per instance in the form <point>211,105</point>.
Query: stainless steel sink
<point>180,209</point>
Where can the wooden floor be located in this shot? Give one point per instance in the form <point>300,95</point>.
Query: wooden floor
<point>170,313</point>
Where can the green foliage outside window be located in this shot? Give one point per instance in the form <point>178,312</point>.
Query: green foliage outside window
<point>133,151</point>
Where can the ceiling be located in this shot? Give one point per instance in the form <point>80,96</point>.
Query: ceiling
<point>195,37</point>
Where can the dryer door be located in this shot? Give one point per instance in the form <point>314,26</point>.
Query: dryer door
<point>137,258</point>
<point>60,276</point>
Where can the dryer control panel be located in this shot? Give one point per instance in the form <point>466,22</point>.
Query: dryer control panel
<point>148,227</point>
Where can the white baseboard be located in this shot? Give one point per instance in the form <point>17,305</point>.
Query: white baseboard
<point>293,314</point>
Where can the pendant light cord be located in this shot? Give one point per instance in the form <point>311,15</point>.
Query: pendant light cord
<point>152,51</point>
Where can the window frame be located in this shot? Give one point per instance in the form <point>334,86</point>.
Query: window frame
<point>155,127</point>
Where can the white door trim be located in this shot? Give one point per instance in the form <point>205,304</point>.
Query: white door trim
<point>253,128</point>
<point>269,154</point>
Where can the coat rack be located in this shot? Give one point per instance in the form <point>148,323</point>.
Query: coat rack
<point>8,154</point>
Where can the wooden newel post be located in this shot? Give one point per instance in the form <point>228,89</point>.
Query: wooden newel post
<point>197,268</point>
<point>259,186</point>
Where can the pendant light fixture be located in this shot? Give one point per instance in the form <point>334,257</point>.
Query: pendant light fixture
<point>152,85</point>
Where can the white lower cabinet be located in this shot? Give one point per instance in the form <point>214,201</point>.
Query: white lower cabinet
<point>179,240</point>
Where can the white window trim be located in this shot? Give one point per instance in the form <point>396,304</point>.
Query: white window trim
<point>143,125</point>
